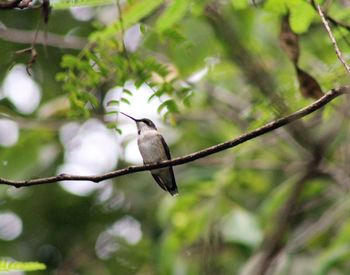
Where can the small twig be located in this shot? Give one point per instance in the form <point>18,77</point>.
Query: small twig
<point>32,50</point>
<point>121,21</point>
<point>331,19</point>
<point>33,55</point>
<point>338,23</point>
<point>335,45</point>
<point>347,42</point>
<point>194,156</point>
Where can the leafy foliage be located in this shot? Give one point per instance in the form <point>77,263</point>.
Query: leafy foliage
<point>218,69</point>
<point>301,12</point>
<point>101,66</point>
<point>172,15</point>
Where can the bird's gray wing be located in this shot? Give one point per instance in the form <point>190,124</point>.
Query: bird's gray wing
<point>159,181</point>
<point>173,188</point>
<point>165,146</point>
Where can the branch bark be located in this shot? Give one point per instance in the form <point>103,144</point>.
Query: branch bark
<point>329,96</point>
<point>331,19</point>
<point>334,42</point>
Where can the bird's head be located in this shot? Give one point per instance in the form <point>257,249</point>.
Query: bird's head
<point>143,124</point>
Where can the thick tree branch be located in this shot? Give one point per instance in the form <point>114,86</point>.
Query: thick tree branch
<point>194,156</point>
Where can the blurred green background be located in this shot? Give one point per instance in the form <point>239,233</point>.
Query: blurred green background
<point>227,60</point>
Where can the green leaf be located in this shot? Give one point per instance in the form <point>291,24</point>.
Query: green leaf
<point>112,113</point>
<point>113,102</point>
<point>118,130</point>
<point>185,90</point>
<point>84,66</point>
<point>301,12</point>
<point>132,14</point>
<point>138,10</point>
<point>175,35</point>
<point>161,107</point>
<point>187,99</point>
<point>123,99</point>
<point>301,15</point>
<point>153,65</point>
<point>276,6</point>
<point>170,105</point>
<point>240,4</point>
<point>140,81</point>
<point>69,61</point>
<point>158,93</point>
<point>93,100</point>
<point>62,76</point>
<point>76,101</point>
<point>143,28</point>
<point>172,14</point>
<point>126,91</point>
<point>21,266</point>
<point>66,4</point>
<point>111,125</point>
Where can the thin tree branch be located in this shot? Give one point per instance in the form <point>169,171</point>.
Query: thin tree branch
<point>194,156</point>
<point>255,71</point>
<point>122,29</point>
<point>51,39</point>
<point>334,42</point>
<point>338,23</point>
<point>331,19</point>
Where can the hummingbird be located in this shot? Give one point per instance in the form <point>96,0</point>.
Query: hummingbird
<point>153,149</point>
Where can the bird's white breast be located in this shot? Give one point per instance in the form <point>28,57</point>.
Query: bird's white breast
<point>151,147</point>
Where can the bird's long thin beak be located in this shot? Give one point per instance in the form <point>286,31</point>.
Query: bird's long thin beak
<point>134,119</point>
